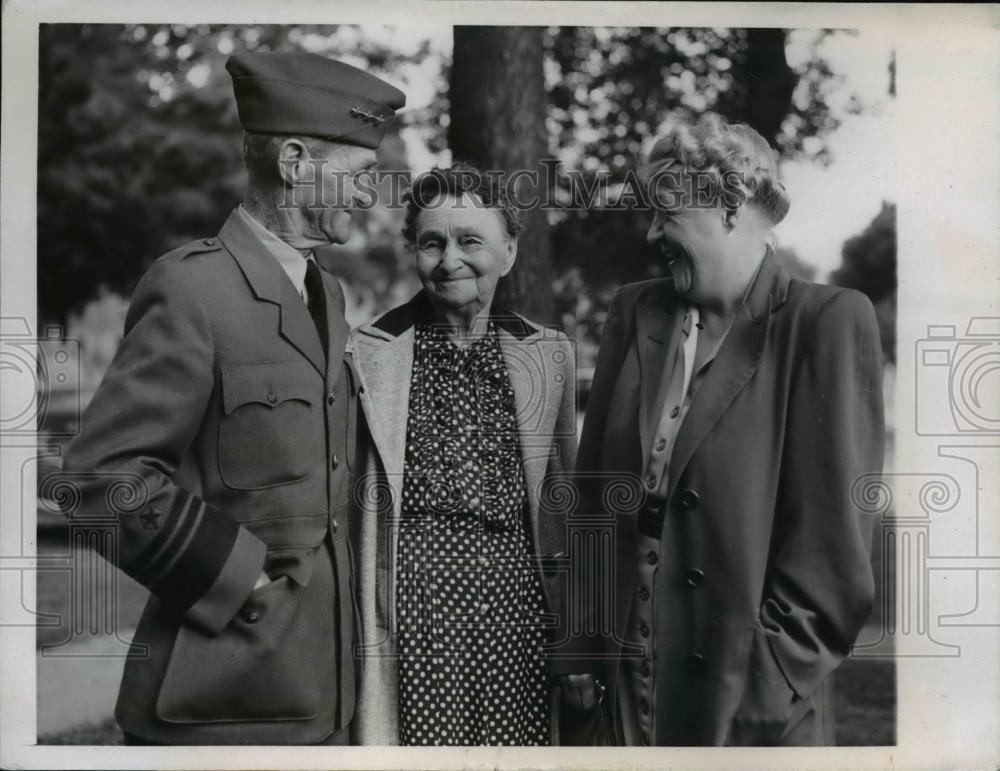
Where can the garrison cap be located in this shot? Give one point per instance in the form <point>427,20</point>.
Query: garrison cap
<point>310,95</point>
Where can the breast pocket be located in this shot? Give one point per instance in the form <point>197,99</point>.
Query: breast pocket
<point>272,431</point>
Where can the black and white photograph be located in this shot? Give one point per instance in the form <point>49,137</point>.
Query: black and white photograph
<point>511,379</point>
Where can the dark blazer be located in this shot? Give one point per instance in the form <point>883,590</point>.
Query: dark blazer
<point>541,366</point>
<point>760,502</point>
<point>234,433</point>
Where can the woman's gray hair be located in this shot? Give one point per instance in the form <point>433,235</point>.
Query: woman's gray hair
<point>455,181</point>
<point>733,152</point>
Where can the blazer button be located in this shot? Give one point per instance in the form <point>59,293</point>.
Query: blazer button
<point>651,558</point>
<point>272,397</point>
<point>331,398</point>
<point>334,461</point>
<point>694,578</point>
<point>251,616</point>
<point>696,662</point>
<point>688,500</point>
<point>644,630</point>
<point>643,594</point>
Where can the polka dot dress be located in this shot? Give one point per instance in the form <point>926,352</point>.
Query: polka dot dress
<point>468,596</point>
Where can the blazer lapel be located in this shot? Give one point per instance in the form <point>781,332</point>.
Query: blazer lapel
<point>656,337</point>
<point>271,284</point>
<point>386,366</point>
<point>536,409</point>
<point>734,365</point>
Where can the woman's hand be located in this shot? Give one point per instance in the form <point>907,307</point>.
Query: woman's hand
<point>581,692</point>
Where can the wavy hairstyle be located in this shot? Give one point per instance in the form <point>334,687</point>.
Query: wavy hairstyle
<point>730,151</point>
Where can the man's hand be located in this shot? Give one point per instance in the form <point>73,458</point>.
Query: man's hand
<point>580,691</point>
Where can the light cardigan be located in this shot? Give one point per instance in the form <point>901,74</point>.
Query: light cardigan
<point>541,365</point>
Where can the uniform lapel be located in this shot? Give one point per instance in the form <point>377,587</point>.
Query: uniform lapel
<point>271,284</point>
<point>338,330</point>
<point>734,365</point>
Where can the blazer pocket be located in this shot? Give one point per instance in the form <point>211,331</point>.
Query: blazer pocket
<point>250,672</point>
<point>271,431</point>
<point>768,698</point>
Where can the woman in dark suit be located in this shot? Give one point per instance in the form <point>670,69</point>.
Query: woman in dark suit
<point>743,404</point>
<point>471,411</point>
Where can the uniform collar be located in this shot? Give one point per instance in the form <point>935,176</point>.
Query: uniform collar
<point>289,258</point>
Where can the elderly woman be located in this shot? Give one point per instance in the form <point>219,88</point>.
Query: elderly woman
<point>744,404</point>
<point>470,409</point>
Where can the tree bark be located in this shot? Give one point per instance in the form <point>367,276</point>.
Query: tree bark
<point>770,82</point>
<point>498,109</point>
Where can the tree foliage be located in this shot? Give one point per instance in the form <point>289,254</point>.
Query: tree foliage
<point>139,145</point>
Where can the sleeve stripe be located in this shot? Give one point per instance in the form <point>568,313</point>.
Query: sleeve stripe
<point>174,555</point>
<point>199,565</point>
<point>154,553</point>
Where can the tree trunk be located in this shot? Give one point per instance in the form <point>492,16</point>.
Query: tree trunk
<point>770,82</point>
<point>498,108</point>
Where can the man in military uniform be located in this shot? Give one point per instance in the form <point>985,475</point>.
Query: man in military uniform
<point>229,412</point>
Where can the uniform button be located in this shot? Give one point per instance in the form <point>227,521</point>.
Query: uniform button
<point>334,461</point>
<point>644,630</point>
<point>331,398</point>
<point>334,526</point>
<point>660,444</point>
<point>644,706</point>
<point>252,616</point>
<point>675,412</point>
<point>651,558</point>
<point>272,397</point>
<point>644,594</point>
<point>696,662</point>
<point>689,500</point>
<point>694,578</point>
<point>644,669</point>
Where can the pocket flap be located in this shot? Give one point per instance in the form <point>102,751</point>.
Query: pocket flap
<point>266,384</point>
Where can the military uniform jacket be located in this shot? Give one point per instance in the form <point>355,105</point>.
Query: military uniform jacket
<point>221,440</point>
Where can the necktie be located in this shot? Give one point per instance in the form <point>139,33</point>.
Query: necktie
<point>317,301</point>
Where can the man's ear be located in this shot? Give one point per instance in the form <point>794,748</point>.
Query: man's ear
<point>292,158</point>
<point>510,255</point>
